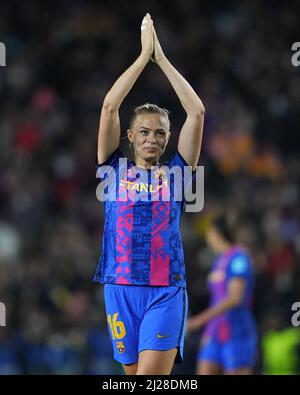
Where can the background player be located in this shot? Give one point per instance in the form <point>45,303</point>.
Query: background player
<point>142,262</point>
<point>229,340</point>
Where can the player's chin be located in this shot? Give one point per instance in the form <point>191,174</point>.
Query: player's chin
<point>151,154</point>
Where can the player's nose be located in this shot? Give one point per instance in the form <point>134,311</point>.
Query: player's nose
<point>152,138</point>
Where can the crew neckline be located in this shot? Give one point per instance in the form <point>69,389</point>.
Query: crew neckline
<point>144,168</point>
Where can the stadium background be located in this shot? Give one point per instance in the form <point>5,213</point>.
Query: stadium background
<point>62,58</point>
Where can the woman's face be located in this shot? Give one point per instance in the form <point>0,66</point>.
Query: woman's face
<point>149,135</point>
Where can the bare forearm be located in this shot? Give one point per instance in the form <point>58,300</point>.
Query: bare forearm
<point>189,99</point>
<point>234,298</point>
<point>218,309</point>
<point>125,82</point>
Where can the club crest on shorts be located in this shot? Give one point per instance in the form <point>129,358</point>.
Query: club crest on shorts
<point>120,347</point>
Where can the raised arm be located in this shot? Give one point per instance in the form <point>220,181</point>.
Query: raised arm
<point>190,137</point>
<point>109,129</point>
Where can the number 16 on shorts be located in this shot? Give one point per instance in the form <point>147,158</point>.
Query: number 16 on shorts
<point>117,328</point>
<point>118,331</point>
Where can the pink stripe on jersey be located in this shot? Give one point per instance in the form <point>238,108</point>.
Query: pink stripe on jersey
<point>160,261</point>
<point>124,228</point>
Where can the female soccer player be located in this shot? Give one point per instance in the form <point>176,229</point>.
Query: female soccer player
<point>229,338</point>
<point>142,263</point>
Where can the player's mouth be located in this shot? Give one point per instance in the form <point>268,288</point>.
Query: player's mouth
<point>150,149</point>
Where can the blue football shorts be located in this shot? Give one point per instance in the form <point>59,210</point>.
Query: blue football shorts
<point>233,354</point>
<point>145,318</point>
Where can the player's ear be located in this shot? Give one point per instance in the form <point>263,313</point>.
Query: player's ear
<point>129,135</point>
<point>168,137</point>
<point>130,138</point>
<point>167,140</point>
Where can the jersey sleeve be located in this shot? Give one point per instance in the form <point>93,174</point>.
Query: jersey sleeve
<point>178,160</point>
<point>105,169</point>
<point>187,174</point>
<point>107,173</point>
<point>112,160</point>
<point>239,266</point>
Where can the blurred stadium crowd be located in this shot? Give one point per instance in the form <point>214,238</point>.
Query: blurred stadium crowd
<point>62,58</point>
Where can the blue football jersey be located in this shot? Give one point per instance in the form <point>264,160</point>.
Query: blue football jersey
<point>142,244</point>
<point>238,321</point>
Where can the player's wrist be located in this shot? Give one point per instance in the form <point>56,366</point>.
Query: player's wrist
<point>160,60</point>
<point>146,55</point>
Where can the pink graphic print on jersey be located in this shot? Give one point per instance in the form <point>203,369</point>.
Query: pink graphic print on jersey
<point>124,242</point>
<point>160,258</point>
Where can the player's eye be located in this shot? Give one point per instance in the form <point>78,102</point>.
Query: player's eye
<point>144,132</point>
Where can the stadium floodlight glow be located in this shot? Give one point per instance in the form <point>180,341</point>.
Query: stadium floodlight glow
<point>2,314</point>
<point>136,184</point>
<point>2,54</point>
<point>296,55</point>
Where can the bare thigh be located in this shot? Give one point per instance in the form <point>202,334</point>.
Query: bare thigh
<point>240,371</point>
<point>152,362</point>
<point>208,368</point>
<point>130,369</point>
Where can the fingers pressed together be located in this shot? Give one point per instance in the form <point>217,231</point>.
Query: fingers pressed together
<point>147,22</point>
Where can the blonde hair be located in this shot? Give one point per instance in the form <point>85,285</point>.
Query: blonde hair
<point>148,108</point>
